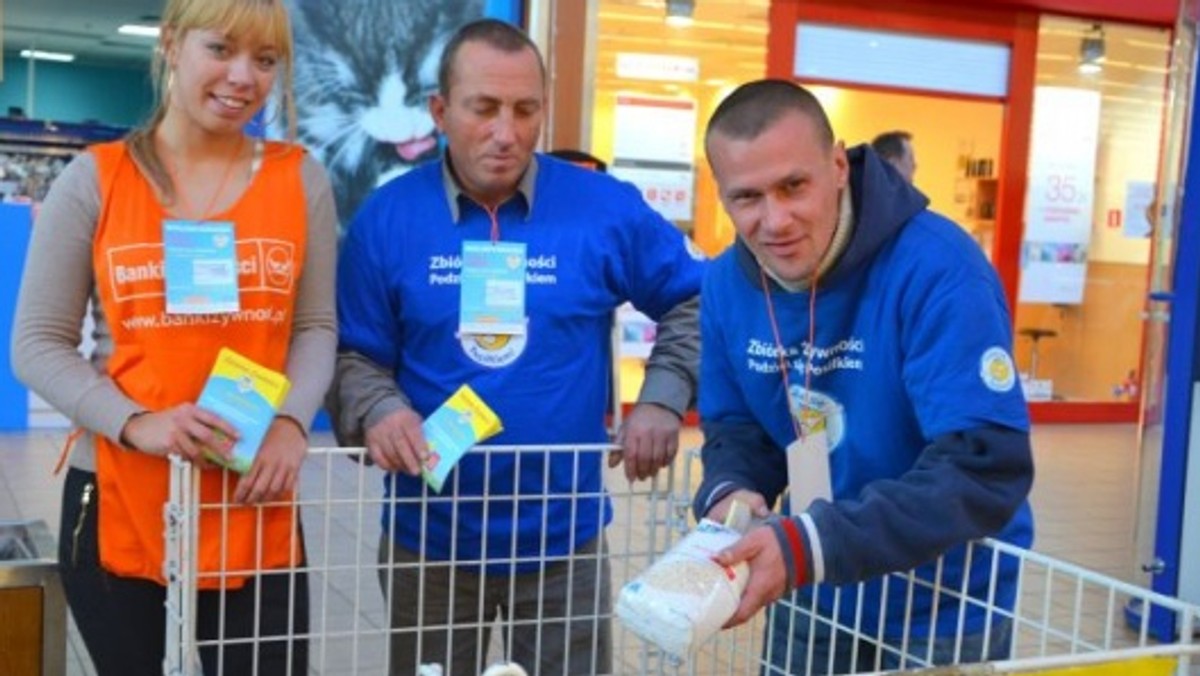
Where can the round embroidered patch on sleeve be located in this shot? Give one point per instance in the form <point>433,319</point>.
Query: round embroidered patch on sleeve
<point>997,370</point>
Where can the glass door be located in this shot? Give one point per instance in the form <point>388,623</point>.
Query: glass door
<point>1165,420</point>
<point>1088,236</point>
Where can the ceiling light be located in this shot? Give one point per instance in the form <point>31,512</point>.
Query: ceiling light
<point>1091,51</point>
<point>47,56</point>
<point>140,30</point>
<point>679,13</point>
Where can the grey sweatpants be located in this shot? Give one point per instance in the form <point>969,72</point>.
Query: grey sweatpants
<point>559,616</point>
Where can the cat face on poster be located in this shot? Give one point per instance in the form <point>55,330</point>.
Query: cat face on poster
<point>364,72</point>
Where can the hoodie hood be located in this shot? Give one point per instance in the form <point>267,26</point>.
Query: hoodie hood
<point>883,203</point>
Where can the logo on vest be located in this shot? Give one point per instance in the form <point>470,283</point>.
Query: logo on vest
<point>266,265</point>
<point>493,350</point>
<point>279,265</point>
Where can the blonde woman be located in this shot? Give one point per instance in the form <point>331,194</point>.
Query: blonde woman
<point>103,234</point>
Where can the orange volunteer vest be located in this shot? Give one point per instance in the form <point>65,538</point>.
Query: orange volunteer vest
<point>161,360</point>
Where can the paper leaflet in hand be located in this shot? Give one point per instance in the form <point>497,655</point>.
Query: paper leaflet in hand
<point>463,421</point>
<point>244,394</point>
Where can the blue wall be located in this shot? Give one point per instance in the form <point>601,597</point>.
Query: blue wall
<point>67,92</point>
<point>15,224</point>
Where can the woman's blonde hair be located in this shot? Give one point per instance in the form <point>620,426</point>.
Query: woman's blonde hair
<point>265,19</point>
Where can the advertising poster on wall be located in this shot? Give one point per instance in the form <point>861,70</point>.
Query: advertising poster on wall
<point>1139,207</point>
<point>1058,207</point>
<point>667,190</point>
<point>364,73</point>
<point>654,146</point>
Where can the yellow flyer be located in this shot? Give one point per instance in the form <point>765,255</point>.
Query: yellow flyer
<point>463,421</point>
<point>246,395</point>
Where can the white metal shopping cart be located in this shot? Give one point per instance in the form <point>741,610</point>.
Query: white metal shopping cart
<point>1063,616</point>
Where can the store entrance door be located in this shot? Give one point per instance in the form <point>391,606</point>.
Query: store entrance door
<point>1089,216</point>
<point>955,141</point>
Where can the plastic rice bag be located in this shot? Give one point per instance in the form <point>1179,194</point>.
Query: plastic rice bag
<point>685,597</point>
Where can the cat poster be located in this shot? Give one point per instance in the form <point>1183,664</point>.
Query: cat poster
<point>364,72</point>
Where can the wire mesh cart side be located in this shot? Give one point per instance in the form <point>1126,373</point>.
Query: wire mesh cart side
<point>1057,615</point>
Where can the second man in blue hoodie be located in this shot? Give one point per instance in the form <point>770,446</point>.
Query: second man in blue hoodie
<point>860,343</point>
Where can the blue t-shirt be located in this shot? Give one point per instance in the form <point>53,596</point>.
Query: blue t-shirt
<point>592,244</point>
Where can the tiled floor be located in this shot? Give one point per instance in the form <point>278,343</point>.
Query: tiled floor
<point>1083,501</point>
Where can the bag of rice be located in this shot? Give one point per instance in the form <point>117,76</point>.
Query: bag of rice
<point>685,597</point>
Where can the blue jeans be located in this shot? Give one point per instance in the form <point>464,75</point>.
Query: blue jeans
<point>818,648</point>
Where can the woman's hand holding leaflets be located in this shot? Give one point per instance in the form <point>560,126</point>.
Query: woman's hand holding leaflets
<point>185,430</point>
<point>276,466</point>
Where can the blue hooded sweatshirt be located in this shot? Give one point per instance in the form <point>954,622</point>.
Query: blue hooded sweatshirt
<point>911,365</point>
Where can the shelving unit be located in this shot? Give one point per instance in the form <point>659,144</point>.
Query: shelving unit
<point>33,152</point>
<point>983,211</point>
<point>51,137</point>
<point>978,190</point>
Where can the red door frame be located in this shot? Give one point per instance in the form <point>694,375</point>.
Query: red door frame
<point>1015,27</point>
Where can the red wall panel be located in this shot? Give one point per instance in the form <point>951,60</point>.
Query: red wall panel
<point>1156,12</point>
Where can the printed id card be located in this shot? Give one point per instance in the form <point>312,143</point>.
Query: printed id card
<point>200,267</point>
<point>808,463</point>
<point>492,289</point>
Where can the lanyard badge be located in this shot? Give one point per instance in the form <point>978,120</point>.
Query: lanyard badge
<point>809,475</point>
<point>200,267</point>
<point>492,289</point>
<point>808,461</point>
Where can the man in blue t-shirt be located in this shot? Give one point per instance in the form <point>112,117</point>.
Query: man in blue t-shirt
<point>856,352</point>
<point>516,533</point>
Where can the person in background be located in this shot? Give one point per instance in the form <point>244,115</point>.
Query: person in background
<point>534,550</point>
<point>853,334</point>
<point>102,235</point>
<point>895,147</point>
<point>580,158</point>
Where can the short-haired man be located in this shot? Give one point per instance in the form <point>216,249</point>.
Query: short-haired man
<point>514,534</point>
<point>853,331</point>
<point>895,147</point>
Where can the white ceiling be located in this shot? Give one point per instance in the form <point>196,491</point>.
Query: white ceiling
<point>728,37</point>
<point>86,28</point>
